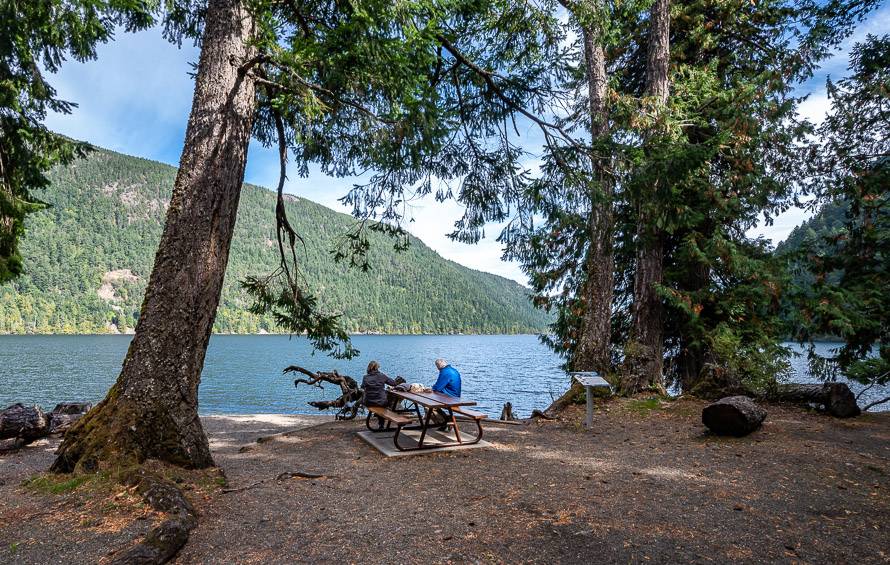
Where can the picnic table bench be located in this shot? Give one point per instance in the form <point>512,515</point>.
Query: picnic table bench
<point>429,402</point>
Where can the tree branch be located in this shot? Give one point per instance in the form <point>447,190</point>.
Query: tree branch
<point>488,77</point>
<point>875,403</point>
<point>324,91</point>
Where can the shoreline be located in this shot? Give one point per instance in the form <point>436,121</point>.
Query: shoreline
<point>647,484</point>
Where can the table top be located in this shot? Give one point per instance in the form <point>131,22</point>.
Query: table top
<point>433,399</point>
<point>410,396</point>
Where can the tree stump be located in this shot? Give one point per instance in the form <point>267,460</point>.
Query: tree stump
<point>26,423</point>
<point>734,415</point>
<point>835,398</point>
<point>65,414</point>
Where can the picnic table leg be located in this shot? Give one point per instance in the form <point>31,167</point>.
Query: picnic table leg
<point>395,439</point>
<point>454,423</point>
<point>479,427</point>
<point>426,425</point>
<point>368,422</point>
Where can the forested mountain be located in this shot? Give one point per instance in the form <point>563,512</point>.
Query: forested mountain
<point>827,222</point>
<point>89,255</point>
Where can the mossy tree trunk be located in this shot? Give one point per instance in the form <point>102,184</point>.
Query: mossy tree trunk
<point>592,350</point>
<point>645,351</point>
<point>152,410</point>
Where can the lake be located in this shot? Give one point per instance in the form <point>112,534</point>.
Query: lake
<point>242,374</point>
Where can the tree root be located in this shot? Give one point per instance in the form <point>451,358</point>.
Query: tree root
<point>350,398</point>
<point>279,477</point>
<point>165,540</point>
<point>569,397</point>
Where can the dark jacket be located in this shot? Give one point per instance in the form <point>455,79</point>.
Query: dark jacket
<point>375,391</point>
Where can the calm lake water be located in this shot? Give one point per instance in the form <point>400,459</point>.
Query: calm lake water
<point>242,374</point>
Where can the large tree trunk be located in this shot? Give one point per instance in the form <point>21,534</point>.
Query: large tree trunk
<point>592,350</point>
<point>152,410</point>
<point>645,350</point>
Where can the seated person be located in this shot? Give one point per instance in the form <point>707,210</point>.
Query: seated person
<point>449,379</point>
<point>374,386</point>
<point>447,383</point>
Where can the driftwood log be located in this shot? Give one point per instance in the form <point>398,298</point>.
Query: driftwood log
<point>21,425</point>
<point>65,414</point>
<point>835,398</point>
<point>351,396</point>
<point>350,400</point>
<point>26,423</point>
<point>733,416</point>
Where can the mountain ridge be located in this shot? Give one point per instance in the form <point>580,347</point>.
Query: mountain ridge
<point>89,255</point>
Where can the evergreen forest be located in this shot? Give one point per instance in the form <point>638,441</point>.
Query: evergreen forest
<point>88,256</point>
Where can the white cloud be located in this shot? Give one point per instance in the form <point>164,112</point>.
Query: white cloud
<point>815,107</point>
<point>781,226</point>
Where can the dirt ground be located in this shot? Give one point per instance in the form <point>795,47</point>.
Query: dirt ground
<point>648,484</point>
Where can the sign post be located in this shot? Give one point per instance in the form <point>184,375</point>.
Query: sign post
<point>590,380</point>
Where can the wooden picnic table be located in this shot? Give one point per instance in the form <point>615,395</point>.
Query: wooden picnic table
<point>430,402</point>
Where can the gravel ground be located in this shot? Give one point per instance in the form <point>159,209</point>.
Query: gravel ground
<point>648,485</point>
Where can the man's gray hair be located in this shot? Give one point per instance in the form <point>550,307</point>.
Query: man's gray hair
<point>441,363</point>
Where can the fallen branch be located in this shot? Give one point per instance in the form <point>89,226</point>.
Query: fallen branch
<point>875,403</point>
<point>300,474</point>
<point>279,477</point>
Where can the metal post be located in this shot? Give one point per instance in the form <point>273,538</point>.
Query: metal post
<point>589,380</point>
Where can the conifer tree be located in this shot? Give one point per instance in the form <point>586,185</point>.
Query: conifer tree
<point>843,288</point>
<point>411,91</point>
<point>35,38</point>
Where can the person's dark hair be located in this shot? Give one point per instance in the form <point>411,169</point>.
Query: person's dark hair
<point>373,366</point>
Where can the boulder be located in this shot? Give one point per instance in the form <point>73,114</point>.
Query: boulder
<point>733,416</point>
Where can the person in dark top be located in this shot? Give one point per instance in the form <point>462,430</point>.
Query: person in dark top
<point>374,385</point>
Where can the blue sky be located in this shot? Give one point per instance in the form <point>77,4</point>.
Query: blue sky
<point>136,97</point>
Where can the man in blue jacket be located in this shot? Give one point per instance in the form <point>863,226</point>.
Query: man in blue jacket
<point>449,379</point>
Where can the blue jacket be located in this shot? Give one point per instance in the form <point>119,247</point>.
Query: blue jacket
<point>448,381</point>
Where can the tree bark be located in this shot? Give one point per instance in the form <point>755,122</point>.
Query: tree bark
<point>645,351</point>
<point>592,350</point>
<point>152,410</point>
<point>592,353</point>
